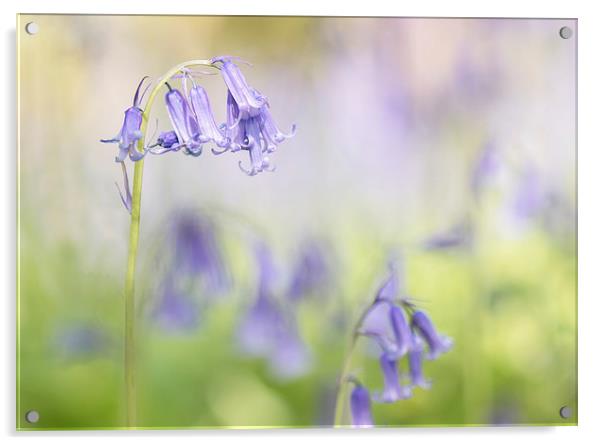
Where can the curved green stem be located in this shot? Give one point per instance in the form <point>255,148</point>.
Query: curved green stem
<point>130,304</point>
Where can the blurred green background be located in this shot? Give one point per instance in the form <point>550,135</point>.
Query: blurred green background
<point>407,130</point>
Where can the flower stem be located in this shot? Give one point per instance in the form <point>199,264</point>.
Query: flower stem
<point>342,384</point>
<point>130,302</point>
<point>130,306</point>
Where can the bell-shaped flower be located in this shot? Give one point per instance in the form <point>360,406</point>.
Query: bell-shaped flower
<point>401,330</point>
<point>376,324</point>
<point>415,364</point>
<point>361,407</point>
<point>270,131</point>
<point>248,100</point>
<point>184,122</point>
<point>392,390</point>
<point>438,344</point>
<point>167,141</point>
<point>204,116</point>
<point>130,133</point>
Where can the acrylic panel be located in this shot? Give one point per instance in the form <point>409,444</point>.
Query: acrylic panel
<point>268,222</point>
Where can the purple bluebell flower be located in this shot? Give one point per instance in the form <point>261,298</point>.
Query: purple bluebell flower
<point>415,364</point>
<point>258,329</point>
<point>385,323</point>
<point>248,100</point>
<point>256,333</point>
<point>175,311</point>
<point>361,407</point>
<point>401,329</point>
<point>376,324</point>
<point>529,197</point>
<point>311,272</point>
<point>249,124</point>
<point>127,200</point>
<point>197,251</point>
<point>130,133</point>
<point>438,344</point>
<point>392,390</point>
<point>270,132</point>
<point>389,291</point>
<point>487,165</point>
<point>167,141</point>
<point>290,358</point>
<point>202,110</point>
<point>184,122</point>
<point>459,236</point>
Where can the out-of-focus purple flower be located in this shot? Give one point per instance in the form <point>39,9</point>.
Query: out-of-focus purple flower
<point>175,311</point>
<point>401,329</point>
<point>389,291</point>
<point>377,325</point>
<point>290,358</point>
<point>311,272</point>
<point>487,165</point>
<point>268,331</point>
<point>248,100</point>
<point>130,133</point>
<point>361,407</point>
<point>529,197</point>
<point>184,122</point>
<point>258,330</point>
<point>249,124</point>
<point>127,200</point>
<point>204,115</point>
<point>392,390</point>
<point>197,251</point>
<point>80,341</point>
<point>459,236</point>
<point>415,364</point>
<point>438,344</point>
<point>385,323</point>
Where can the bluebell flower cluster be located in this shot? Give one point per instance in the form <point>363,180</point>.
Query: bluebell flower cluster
<point>249,123</point>
<point>403,334</point>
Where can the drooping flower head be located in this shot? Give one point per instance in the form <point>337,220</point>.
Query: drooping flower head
<point>184,122</point>
<point>415,364</point>
<point>438,344</point>
<point>249,102</point>
<point>204,116</point>
<point>130,133</point>
<point>249,124</point>
<point>385,322</point>
<point>361,407</point>
<point>392,390</point>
